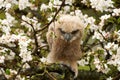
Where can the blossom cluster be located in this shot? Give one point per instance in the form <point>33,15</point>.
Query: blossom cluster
<point>101,5</point>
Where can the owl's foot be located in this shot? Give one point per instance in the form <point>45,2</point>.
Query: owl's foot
<point>72,71</point>
<point>75,73</point>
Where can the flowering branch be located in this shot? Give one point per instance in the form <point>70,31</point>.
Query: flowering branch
<point>117,77</point>
<point>52,68</point>
<point>2,9</point>
<point>35,50</point>
<point>62,4</point>
<point>18,72</point>
<point>108,54</point>
<point>8,47</point>
<point>89,35</point>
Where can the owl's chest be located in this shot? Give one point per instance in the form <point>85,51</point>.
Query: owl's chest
<point>65,47</point>
<point>66,51</point>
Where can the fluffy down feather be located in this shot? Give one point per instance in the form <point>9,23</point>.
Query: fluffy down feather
<point>64,37</point>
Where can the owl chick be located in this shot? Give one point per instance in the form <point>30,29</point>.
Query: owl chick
<point>64,37</point>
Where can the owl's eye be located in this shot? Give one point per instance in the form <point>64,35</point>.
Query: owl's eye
<point>63,32</point>
<point>74,32</point>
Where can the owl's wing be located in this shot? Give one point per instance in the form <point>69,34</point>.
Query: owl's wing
<point>50,35</point>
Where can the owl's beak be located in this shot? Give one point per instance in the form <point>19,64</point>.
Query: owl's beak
<point>67,37</point>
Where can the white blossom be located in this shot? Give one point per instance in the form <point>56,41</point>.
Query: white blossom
<point>118,51</point>
<point>43,59</point>
<point>84,2</point>
<point>7,4</point>
<point>69,2</point>
<point>111,46</point>
<point>12,1</point>
<point>23,44</point>
<point>97,36</point>
<point>86,21</point>
<point>26,65</point>
<point>82,62</point>
<point>97,63</point>
<point>24,53</point>
<point>110,78</point>
<point>2,58</point>
<point>102,5</point>
<point>12,72</point>
<point>116,12</point>
<point>117,35</point>
<point>19,77</point>
<point>105,69</point>
<point>26,56</point>
<point>57,2</point>
<point>118,68</point>
<point>7,23</point>
<point>1,3</point>
<point>6,39</point>
<point>66,9</point>
<point>49,18</point>
<point>103,18</point>
<point>115,59</point>
<point>44,7</point>
<point>23,4</point>
<point>96,60</point>
<point>28,21</point>
<point>101,66</point>
<point>106,34</point>
<point>10,56</point>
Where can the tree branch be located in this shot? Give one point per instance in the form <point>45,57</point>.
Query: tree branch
<point>62,4</point>
<point>108,54</point>
<point>18,72</point>
<point>2,10</point>
<point>51,69</point>
<point>35,50</point>
<point>8,47</point>
<point>55,70</point>
<point>117,77</point>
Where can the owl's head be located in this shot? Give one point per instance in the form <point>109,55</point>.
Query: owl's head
<point>69,28</point>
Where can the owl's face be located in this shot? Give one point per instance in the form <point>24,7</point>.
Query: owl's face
<point>69,31</point>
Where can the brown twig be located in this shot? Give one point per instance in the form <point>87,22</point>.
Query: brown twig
<point>2,10</point>
<point>18,72</point>
<point>8,47</point>
<point>3,74</point>
<point>102,36</point>
<point>108,53</point>
<point>117,77</point>
<point>35,50</point>
<point>63,2</point>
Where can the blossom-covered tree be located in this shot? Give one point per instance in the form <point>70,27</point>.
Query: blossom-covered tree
<point>23,46</point>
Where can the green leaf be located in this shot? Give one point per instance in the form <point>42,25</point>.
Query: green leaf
<point>118,20</point>
<point>84,68</point>
<point>100,51</point>
<point>117,27</point>
<point>7,71</point>
<point>111,20</point>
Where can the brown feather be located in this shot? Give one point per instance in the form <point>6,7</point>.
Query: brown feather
<point>60,50</point>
